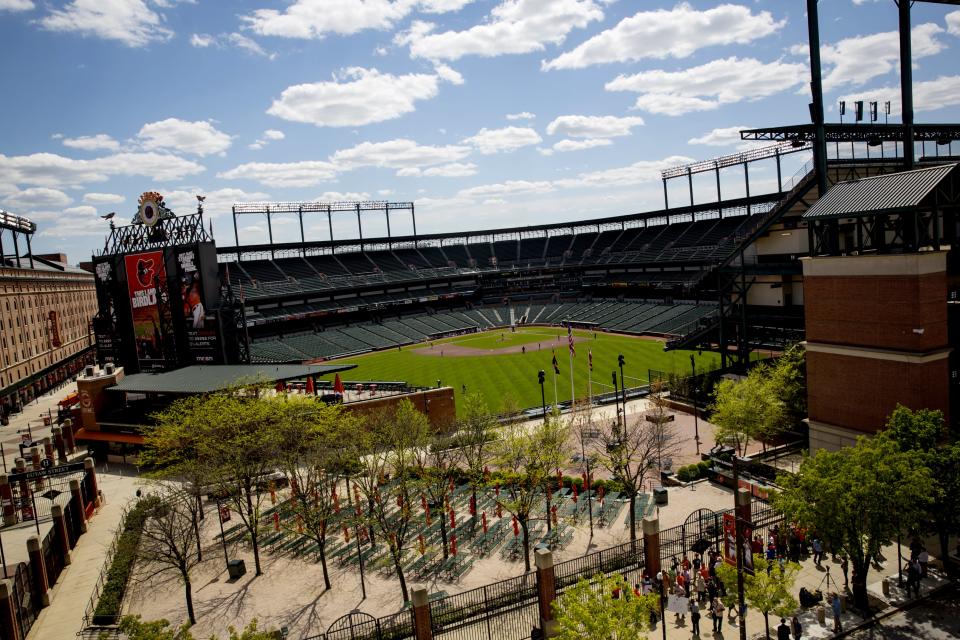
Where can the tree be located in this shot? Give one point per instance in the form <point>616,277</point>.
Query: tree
<point>168,542</point>
<point>747,409</point>
<point>848,497</point>
<point>768,590</point>
<point>528,455</point>
<point>923,431</point>
<point>392,444</point>
<point>588,610</point>
<point>231,434</point>
<point>308,437</point>
<point>630,453</point>
<point>134,628</point>
<point>474,438</point>
<point>434,463</point>
<point>788,377</point>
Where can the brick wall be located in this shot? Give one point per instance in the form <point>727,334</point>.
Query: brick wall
<point>442,408</point>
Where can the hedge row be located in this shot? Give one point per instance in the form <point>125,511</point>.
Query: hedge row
<point>111,596</point>
<point>695,471</point>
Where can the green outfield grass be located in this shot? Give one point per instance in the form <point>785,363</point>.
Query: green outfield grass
<point>515,375</point>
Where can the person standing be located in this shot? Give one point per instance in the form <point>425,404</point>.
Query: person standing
<point>835,604</point>
<point>695,617</point>
<point>717,609</point>
<point>817,551</point>
<point>783,631</point>
<point>845,567</point>
<point>797,629</point>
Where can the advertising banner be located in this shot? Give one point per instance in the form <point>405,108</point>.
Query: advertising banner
<point>103,322</point>
<point>201,327</point>
<point>730,548</point>
<point>146,276</point>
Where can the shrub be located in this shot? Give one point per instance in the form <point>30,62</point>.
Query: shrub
<point>111,596</point>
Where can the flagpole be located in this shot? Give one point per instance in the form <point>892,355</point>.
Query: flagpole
<point>555,401</point>
<point>572,395</point>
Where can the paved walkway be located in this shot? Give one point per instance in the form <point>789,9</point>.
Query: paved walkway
<point>30,422</point>
<point>63,619</point>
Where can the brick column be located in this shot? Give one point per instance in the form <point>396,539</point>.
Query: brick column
<point>35,461</point>
<point>422,628</point>
<point>20,466</point>
<point>651,544</point>
<point>48,448</point>
<point>6,499</point>
<point>546,591</point>
<point>79,512</point>
<point>59,444</point>
<point>8,617</point>
<point>39,569</point>
<point>90,469</point>
<point>60,524</point>
<point>68,435</point>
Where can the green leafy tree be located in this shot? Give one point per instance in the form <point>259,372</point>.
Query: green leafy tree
<point>134,628</point>
<point>476,431</point>
<point>788,377</point>
<point>308,437</point>
<point>767,592</point>
<point>747,409</point>
<point>923,431</point>
<point>434,463</point>
<point>589,610</point>
<point>528,455</point>
<point>849,497</point>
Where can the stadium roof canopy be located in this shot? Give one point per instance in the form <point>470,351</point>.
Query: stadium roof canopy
<point>888,193</point>
<point>209,378</point>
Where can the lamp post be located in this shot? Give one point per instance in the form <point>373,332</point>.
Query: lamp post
<point>616,397</point>
<point>541,376</point>
<point>693,400</point>
<point>738,541</point>
<point>623,392</point>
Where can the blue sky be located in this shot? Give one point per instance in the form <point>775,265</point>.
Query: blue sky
<point>484,113</point>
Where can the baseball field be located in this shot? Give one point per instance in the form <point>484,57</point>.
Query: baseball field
<point>501,364</point>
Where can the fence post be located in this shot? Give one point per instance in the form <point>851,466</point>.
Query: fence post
<point>422,627</point>
<point>58,442</point>
<point>60,524</point>
<point>35,461</point>
<point>80,513</point>
<point>546,591</point>
<point>91,471</point>
<point>48,448</point>
<point>8,617</point>
<point>68,435</point>
<point>6,499</point>
<point>651,544</point>
<point>39,569</point>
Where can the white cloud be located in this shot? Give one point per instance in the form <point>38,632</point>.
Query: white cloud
<point>338,196</point>
<point>710,85</point>
<point>317,18</point>
<point>199,138</point>
<point>52,170</point>
<point>513,26</point>
<point>928,95</point>
<point>676,32</point>
<point>92,143</point>
<point>593,126</point>
<point>489,141</point>
<point>130,22</point>
<point>854,61</point>
<point>357,97</point>
<point>16,5</point>
<point>953,23</point>
<point>510,187</point>
<point>307,173</point>
<point>70,223</point>
<point>244,43</point>
<point>36,198</point>
<point>452,170</point>
<point>218,201</point>
<point>396,154</point>
<point>268,136</point>
<point>576,145</point>
<point>523,115</point>
<point>636,173</point>
<point>449,74</point>
<point>720,137</point>
<point>203,40</point>
<point>103,198</point>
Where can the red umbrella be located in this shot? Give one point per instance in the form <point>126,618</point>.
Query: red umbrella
<point>311,389</point>
<point>451,485</point>
<point>280,387</point>
<point>602,493</point>
<point>553,513</point>
<point>421,544</point>
<point>426,513</point>
<point>453,544</point>
<point>276,521</point>
<point>473,506</point>
<point>453,519</point>
<point>336,502</point>
<point>560,477</point>
<point>486,472</point>
<point>423,503</point>
<point>338,385</point>
<point>499,510</point>
<point>346,535</point>
<point>573,496</point>
<point>497,490</point>
<point>483,519</point>
<point>516,527</point>
<point>299,524</point>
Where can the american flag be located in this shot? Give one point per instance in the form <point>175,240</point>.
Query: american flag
<point>590,358</point>
<point>573,351</point>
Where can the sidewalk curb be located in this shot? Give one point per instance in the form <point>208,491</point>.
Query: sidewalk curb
<point>894,609</point>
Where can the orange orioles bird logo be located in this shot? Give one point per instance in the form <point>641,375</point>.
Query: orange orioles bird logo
<point>145,272</point>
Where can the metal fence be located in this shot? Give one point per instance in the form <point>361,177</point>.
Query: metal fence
<point>102,578</point>
<point>508,608</point>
